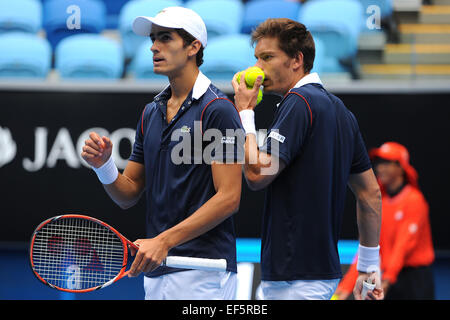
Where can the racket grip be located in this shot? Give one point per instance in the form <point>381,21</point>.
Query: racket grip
<point>196,263</point>
<point>366,287</point>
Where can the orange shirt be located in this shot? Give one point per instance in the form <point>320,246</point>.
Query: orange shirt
<point>405,236</point>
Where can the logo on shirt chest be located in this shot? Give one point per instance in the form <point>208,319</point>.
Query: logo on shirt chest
<point>189,145</point>
<point>185,129</point>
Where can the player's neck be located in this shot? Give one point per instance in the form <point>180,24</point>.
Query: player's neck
<point>183,82</point>
<point>180,86</point>
<point>295,79</point>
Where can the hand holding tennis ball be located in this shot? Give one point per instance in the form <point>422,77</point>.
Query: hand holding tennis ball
<point>250,77</point>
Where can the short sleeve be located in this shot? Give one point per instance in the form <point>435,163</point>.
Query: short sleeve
<point>289,129</point>
<point>137,153</point>
<point>223,132</point>
<point>360,160</point>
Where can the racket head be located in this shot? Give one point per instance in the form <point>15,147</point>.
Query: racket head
<point>78,253</point>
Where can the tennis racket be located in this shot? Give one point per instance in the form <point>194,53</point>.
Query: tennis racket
<point>77,253</point>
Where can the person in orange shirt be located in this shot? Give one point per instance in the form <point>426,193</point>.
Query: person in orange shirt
<point>406,248</point>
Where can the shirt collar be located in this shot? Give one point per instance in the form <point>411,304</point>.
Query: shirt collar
<point>163,95</point>
<point>200,86</point>
<point>309,78</point>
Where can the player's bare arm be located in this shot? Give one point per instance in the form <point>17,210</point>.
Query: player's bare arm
<point>368,209</point>
<point>126,190</point>
<point>260,168</point>
<point>227,182</point>
<point>368,206</point>
<point>129,186</point>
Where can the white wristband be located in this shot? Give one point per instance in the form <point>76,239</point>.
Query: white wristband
<point>108,172</point>
<point>368,259</point>
<point>248,121</point>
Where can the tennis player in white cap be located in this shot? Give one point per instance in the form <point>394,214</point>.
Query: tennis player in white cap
<point>189,205</point>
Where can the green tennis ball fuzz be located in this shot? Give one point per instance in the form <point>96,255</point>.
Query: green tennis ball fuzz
<point>251,74</point>
<point>250,77</point>
<point>260,96</point>
<point>238,77</point>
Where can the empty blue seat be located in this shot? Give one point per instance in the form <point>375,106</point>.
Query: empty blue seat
<point>60,18</point>
<point>24,55</point>
<point>226,55</point>
<point>319,57</point>
<point>89,56</point>
<point>141,67</point>
<point>226,0</point>
<point>136,8</point>
<point>113,8</point>
<point>337,23</point>
<point>20,15</point>
<point>256,12</point>
<point>221,17</point>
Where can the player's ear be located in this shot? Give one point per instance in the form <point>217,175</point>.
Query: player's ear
<point>297,61</point>
<point>194,47</point>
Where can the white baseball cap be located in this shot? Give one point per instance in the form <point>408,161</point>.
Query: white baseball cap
<point>175,18</point>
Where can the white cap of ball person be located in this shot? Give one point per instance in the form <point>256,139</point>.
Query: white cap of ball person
<point>174,18</point>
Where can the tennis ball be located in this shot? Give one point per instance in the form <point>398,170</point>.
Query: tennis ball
<point>238,79</point>
<point>260,96</point>
<point>251,74</point>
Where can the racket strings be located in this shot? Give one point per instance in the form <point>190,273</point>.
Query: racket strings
<point>77,254</point>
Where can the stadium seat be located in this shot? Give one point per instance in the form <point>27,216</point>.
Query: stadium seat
<point>256,12</point>
<point>89,56</point>
<point>133,9</point>
<point>226,55</point>
<point>20,15</point>
<point>141,67</point>
<point>24,55</point>
<point>113,8</point>
<point>386,6</point>
<point>221,17</point>
<point>337,23</point>
<point>60,18</point>
<point>319,57</point>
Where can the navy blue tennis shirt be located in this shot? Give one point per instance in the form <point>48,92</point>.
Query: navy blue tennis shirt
<point>319,140</point>
<point>177,181</point>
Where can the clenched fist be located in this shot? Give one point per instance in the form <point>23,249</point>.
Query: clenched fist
<point>96,150</point>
